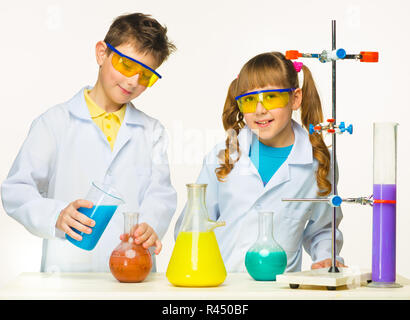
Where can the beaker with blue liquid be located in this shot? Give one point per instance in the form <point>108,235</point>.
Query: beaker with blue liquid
<point>265,259</point>
<point>105,202</point>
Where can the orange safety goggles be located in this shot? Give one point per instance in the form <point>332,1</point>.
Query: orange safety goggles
<point>129,67</point>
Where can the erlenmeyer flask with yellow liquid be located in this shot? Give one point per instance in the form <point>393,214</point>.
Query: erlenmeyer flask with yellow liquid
<point>196,260</point>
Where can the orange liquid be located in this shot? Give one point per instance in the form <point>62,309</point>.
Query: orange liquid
<point>130,262</point>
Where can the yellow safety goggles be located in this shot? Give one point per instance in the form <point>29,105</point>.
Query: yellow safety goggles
<point>270,99</point>
<point>129,67</point>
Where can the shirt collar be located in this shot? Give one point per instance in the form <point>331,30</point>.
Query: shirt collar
<point>96,111</point>
<point>77,106</point>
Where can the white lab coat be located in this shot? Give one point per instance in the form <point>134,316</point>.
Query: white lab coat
<point>238,200</point>
<point>63,153</point>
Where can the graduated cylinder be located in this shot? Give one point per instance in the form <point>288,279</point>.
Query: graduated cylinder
<point>384,208</point>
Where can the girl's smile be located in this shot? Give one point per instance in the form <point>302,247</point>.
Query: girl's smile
<point>263,123</point>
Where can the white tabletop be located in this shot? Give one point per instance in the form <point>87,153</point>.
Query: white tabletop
<point>238,286</point>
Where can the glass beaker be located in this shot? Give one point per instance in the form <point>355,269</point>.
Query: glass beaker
<point>265,259</point>
<point>384,205</point>
<point>196,260</point>
<point>130,262</point>
<point>105,201</point>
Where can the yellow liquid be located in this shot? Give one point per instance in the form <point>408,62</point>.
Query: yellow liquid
<point>196,261</point>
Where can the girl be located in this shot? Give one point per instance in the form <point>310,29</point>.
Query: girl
<point>268,156</point>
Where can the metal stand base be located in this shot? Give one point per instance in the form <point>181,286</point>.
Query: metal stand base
<point>376,284</point>
<point>333,269</point>
<point>350,277</point>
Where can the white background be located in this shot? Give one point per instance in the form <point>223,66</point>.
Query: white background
<point>47,55</point>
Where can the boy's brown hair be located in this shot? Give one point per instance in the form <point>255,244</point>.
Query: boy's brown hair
<point>146,33</point>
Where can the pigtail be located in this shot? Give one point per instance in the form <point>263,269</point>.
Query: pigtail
<point>233,122</point>
<point>311,112</point>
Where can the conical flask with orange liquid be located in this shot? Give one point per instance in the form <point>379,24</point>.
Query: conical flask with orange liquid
<point>196,260</point>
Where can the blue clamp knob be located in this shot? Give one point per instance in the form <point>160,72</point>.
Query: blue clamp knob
<point>311,128</point>
<point>350,129</point>
<point>335,201</point>
<point>341,53</point>
<point>342,127</point>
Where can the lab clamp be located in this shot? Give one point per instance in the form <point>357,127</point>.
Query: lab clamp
<point>334,128</point>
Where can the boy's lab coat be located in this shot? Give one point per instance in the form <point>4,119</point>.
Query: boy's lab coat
<point>63,153</point>
<point>238,200</point>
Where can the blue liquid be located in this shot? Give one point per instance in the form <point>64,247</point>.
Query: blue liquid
<point>101,215</point>
<point>265,265</point>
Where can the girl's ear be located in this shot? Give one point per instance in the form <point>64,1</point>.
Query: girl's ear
<point>297,99</point>
<point>100,52</point>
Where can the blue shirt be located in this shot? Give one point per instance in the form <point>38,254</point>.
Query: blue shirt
<point>267,159</point>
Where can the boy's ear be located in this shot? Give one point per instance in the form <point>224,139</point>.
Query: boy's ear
<point>297,99</point>
<point>100,52</point>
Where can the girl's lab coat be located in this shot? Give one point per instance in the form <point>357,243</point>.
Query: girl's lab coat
<point>63,153</point>
<point>238,200</point>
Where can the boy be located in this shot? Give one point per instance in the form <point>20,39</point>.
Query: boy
<point>98,135</point>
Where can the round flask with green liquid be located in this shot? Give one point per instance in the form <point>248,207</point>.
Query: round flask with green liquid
<point>265,259</point>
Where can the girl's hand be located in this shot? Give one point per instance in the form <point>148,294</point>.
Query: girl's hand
<point>145,235</point>
<point>71,218</point>
<point>327,263</point>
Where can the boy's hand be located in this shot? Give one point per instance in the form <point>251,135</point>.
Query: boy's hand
<point>327,263</point>
<point>145,235</point>
<point>71,218</point>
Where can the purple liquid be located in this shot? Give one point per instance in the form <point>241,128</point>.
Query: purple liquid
<point>384,234</point>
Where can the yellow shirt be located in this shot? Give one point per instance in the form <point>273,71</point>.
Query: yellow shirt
<point>109,123</point>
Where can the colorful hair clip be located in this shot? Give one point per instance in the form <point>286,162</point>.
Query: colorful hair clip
<point>298,65</point>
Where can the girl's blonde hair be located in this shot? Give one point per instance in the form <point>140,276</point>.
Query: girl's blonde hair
<point>273,69</point>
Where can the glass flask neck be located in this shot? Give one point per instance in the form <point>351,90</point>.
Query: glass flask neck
<point>196,215</point>
<point>196,195</point>
<point>265,226</point>
<point>130,223</point>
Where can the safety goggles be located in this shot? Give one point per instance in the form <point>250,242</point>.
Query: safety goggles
<point>270,99</point>
<point>129,67</point>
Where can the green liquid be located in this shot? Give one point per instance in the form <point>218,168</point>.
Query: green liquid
<point>265,265</point>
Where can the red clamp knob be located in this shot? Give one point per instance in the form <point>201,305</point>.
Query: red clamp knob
<point>292,54</point>
<point>331,130</point>
<point>330,120</point>
<point>384,201</point>
<point>368,56</point>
